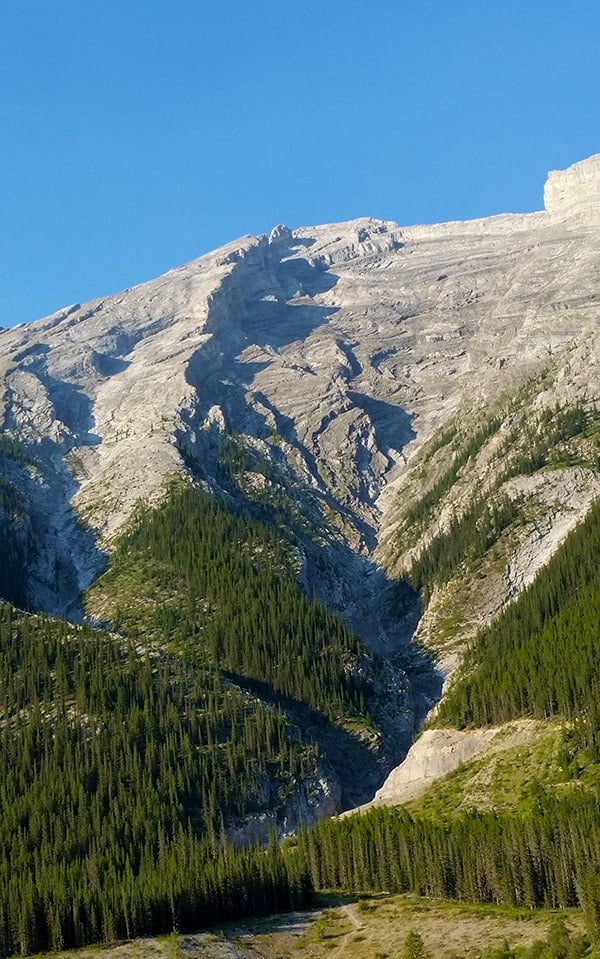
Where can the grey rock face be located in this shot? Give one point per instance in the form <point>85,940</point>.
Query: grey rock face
<point>318,797</point>
<point>436,753</point>
<point>336,350</point>
<point>574,192</point>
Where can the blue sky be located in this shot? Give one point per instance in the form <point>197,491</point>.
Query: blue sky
<point>137,135</point>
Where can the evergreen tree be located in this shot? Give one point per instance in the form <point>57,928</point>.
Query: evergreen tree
<point>413,947</point>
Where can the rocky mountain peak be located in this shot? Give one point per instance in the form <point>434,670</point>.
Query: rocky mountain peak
<point>575,192</point>
<point>336,350</point>
<point>280,233</point>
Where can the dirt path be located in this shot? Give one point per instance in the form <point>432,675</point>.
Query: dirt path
<point>356,926</point>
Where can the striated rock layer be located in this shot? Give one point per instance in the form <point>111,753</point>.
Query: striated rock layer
<point>346,344</point>
<point>333,352</point>
<point>575,192</point>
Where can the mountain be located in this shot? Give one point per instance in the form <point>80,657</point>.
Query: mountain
<point>288,483</point>
<point>337,350</point>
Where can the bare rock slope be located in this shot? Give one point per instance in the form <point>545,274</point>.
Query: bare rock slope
<point>345,344</point>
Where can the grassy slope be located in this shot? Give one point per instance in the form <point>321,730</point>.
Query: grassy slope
<point>507,772</point>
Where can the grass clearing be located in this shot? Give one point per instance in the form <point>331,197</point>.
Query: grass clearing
<point>353,927</point>
<point>447,928</point>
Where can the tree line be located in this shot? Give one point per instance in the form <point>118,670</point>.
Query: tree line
<point>548,856</point>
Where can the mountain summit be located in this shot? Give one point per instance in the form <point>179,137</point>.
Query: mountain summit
<point>337,349</point>
<point>575,192</point>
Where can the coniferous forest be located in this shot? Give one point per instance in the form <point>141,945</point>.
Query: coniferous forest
<point>13,535</point>
<point>227,585</point>
<point>540,656</point>
<point>548,856</point>
<point>118,772</point>
<point>173,721</point>
<point>159,736</point>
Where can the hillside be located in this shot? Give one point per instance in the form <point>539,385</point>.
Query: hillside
<point>293,489</point>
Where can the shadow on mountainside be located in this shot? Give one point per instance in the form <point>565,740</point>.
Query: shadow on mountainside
<point>404,683</point>
<point>283,313</point>
<point>354,763</point>
<point>264,320</point>
<point>392,424</point>
<point>62,555</point>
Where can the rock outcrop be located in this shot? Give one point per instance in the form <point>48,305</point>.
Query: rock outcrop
<point>439,752</point>
<point>435,754</point>
<point>575,193</point>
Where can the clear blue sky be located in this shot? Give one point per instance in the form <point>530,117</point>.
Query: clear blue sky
<point>138,135</point>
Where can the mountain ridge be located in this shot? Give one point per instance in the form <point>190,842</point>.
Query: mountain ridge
<point>225,307</point>
<point>332,353</point>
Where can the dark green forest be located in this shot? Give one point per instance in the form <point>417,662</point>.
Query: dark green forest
<point>540,656</point>
<point>126,754</point>
<point>13,530</point>
<point>119,770</point>
<point>547,856</point>
<point>226,585</point>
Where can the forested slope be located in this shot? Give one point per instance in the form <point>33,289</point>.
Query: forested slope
<point>13,527</point>
<point>128,754</point>
<point>548,856</point>
<point>183,719</point>
<point>119,770</point>
<point>194,573</point>
<point>540,656</point>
